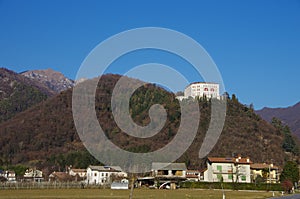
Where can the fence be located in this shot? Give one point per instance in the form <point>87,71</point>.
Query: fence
<point>49,185</point>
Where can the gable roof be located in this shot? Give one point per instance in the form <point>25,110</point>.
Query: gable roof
<point>78,170</point>
<point>168,166</point>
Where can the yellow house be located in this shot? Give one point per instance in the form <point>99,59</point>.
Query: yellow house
<point>267,171</point>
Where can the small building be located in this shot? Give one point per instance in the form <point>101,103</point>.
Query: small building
<point>103,175</point>
<point>79,172</point>
<point>269,172</point>
<point>168,170</point>
<point>33,175</point>
<point>193,175</point>
<point>60,177</point>
<point>9,176</point>
<point>228,169</point>
<point>123,184</point>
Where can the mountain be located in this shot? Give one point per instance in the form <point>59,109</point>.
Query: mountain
<point>18,93</point>
<point>54,80</point>
<point>45,134</point>
<point>289,116</point>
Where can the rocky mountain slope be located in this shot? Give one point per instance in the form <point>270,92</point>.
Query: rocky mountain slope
<point>289,116</point>
<point>45,134</point>
<point>54,80</point>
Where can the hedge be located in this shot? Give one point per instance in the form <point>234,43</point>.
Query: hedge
<point>233,186</point>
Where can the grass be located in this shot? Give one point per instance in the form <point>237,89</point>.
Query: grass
<point>138,193</point>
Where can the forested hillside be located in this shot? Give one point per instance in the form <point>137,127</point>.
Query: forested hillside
<point>45,134</point>
<point>17,93</point>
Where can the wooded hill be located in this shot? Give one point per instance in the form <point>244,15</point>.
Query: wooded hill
<point>45,135</point>
<point>17,93</point>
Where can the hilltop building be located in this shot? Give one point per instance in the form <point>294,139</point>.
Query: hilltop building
<point>201,89</point>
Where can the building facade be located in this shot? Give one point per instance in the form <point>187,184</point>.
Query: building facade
<point>228,170</point>
<point>168,170</point>
<point>269,172</point>
<point>102,175</point>
<point>202,89</point>
<point>10,176</point>
<point>34,175</point>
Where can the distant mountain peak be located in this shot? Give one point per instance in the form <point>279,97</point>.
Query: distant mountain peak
<point>55,80</point>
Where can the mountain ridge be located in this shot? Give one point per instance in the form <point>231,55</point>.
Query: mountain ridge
<point>289,116</point>
<point>54,80</point>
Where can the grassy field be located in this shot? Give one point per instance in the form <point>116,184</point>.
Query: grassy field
<point>138,193</point>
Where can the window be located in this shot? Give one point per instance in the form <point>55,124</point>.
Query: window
<point>95,174</point>
<point>230,176</point>
<point>212,89</point>
<point>219,168</point>
<point>205,89</point>
<point>243,178</point>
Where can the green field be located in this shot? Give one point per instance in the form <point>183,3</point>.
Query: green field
<point>138,193</point>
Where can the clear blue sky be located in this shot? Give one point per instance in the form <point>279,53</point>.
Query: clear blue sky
<point>255,44</point>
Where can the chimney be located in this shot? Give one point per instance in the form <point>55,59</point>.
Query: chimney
<point>248,160</point>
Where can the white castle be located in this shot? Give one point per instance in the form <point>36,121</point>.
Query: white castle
<point>201,89</point>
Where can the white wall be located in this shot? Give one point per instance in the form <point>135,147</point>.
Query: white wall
<point>213,172</point>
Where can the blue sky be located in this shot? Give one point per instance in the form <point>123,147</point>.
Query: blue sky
<point>255,44</point>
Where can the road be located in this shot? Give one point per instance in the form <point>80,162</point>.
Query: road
<point>295,196</point>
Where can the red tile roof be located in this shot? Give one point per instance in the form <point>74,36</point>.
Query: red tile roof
<point>230,160</point>
<point>262,166</point>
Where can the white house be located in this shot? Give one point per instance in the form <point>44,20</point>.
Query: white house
<point>33,175</point>
<point>103,174</point>
<point>10,176</point>
<point>228,169</point>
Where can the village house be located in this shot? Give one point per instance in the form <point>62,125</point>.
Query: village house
<point>103,175</point>
<point>77,172</point>
<point>193,175</point>
<point>269,172</point>
<point>33,175</point>
<point>228,169</point>
<point>9,176</point>
<point>60,177</point>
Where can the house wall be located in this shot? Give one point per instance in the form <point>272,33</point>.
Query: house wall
<point>210,90</point>
<point>273,175</point>
<point>228,171</point>
<point>168,173</point>
<point>100,177</point>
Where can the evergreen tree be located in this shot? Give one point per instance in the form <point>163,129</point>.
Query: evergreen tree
<point>290,172</point>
